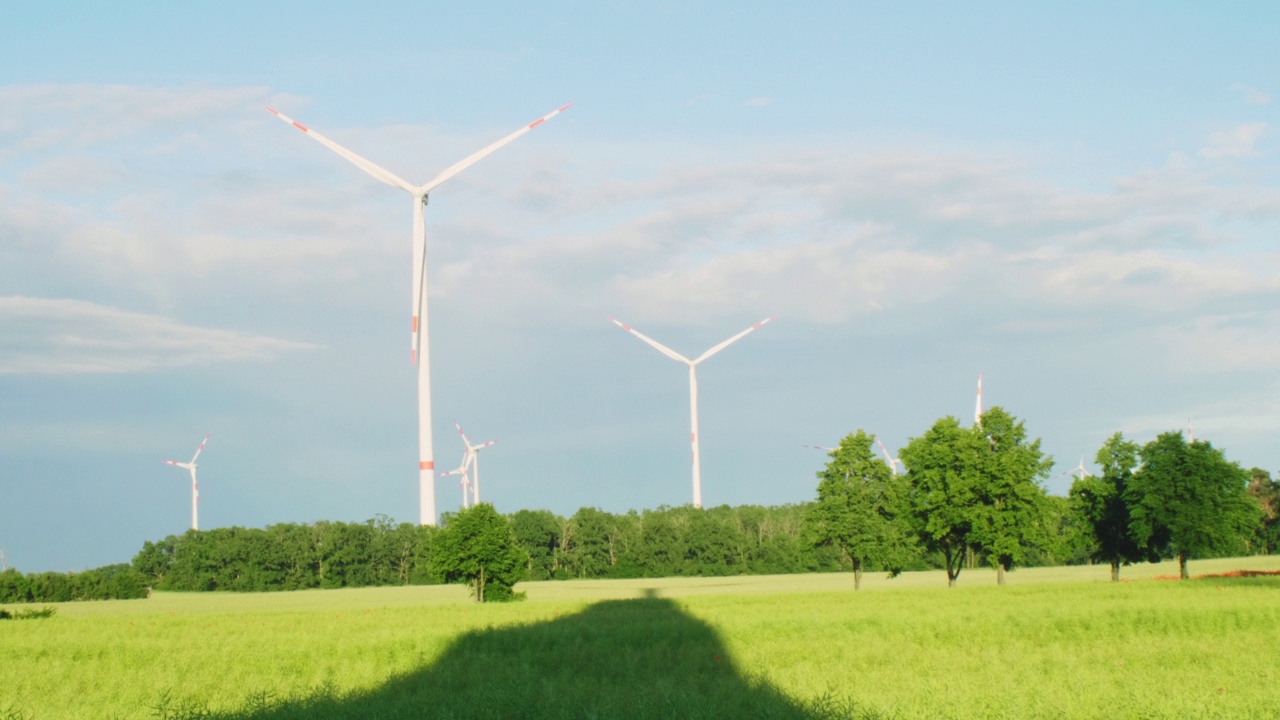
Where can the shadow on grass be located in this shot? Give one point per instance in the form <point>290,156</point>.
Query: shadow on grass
<point>642,658</point>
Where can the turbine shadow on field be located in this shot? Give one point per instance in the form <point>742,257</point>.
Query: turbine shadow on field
<point>643,658</point>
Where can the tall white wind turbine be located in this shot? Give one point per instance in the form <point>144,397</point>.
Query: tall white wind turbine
<point>693,389</point>
<point>195,489</point>
<point>977,412</point>
<point>471,458</point>
<point>420,343</point>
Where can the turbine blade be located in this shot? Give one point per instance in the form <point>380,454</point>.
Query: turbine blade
<point>199,449</point>
<point>731,340</point>
<point>478,448</point>
<point>175,463</point>
<point>884,450</point>
<point>480,155</point>
<point>654,343</point>
<point>380,173</point>
<point>465,440</point>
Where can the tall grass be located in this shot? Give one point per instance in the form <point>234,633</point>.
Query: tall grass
<point>1061,643</point>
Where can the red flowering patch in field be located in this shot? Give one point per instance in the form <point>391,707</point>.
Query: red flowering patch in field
<point>1228,574</point>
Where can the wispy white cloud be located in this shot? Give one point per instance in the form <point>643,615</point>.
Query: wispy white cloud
<point>1237,142</point>
<point>61,336</point>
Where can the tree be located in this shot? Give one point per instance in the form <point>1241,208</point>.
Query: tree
<point>537,532</point>
<point>860,509</point>
<point>943,477</point>
<point>1010,507</point>
<point>477,547</point>
<point>1266,492</point>
<point>1188,498</point>
<point>1102,504</point>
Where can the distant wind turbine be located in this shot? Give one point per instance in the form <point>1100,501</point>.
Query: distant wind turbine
<point>1191,436</point>
<point>195,489</point>
<point>420,350</point>
<point>471,458</point>
<point>4,561</point>
<point>465,482</point>
<point>1079,468</point>
<point>893,461</point>
<point>693,390</point>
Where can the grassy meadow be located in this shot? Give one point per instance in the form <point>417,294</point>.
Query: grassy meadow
<point>1053,643</point>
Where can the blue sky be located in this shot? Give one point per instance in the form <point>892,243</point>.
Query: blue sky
<point>1079,201</point>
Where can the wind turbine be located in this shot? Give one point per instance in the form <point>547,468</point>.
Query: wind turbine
<point>420,343</point>
<point>464,483</point>
<point>195,489</point>
<point>893,461</point>
<point>1083,473</point>
<point>693,390</point>
<point>471,457</point>
<point>977,412</point>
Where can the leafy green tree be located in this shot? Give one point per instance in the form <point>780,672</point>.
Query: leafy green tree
<point>660,550</point>
<point>1102,504</point>
<point>710,544</point>
<point>537,532</point>
<point>1189,498</point>
<point>944,476</point>
<point>155,559</point>
<point>1266,492</point>
<point>477,547</point>
<point>593,551</point>
<point>1010,511</point>
<point>860,509</point>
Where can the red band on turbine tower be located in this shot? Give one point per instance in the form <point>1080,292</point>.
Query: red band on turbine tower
<point>426,465</point>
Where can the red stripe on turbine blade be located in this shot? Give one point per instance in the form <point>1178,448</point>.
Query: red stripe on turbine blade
<point>627,328</point>
<point>693,437</point>
<point>415,323</point>
<point>426,465</point>
<point>272,110</point>
<point>536,123</point>
<point>301,127</point>
<point>566,107</point>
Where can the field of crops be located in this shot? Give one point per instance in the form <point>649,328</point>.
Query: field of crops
<point>1054,643</point>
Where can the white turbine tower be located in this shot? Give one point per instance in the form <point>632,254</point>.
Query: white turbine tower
<point>420,343</point>
<point>195,489</point>
<point>471,458</point>
<point>977,412</point>
<point>693,390</point>
<point>893,461</point>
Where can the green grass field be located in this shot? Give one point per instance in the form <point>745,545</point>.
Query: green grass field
<point>1054,643</point>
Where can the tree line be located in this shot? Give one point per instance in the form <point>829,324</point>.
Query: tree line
<point>113,582</point>
<point>978,491</point>
<point>967,496</point>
